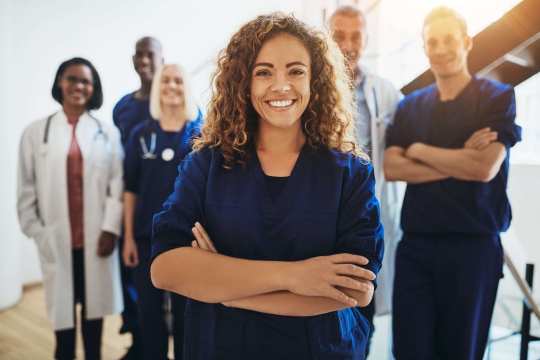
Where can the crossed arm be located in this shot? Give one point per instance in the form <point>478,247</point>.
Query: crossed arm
<point>302,288</point>
<point>479,160</point>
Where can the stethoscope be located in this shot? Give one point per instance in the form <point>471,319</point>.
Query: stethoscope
<point>148,154</point>
<point>100,133</point>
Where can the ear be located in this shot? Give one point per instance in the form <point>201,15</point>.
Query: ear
<point>468,43</point>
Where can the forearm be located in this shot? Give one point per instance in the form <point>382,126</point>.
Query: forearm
<point>398,167</point>
<point>212,277</point>
<point>130,203</point>
<point>287,303</point>
<point>463,163</point>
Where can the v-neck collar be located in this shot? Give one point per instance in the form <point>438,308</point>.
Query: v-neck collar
<point>174,141</point>
<point>278,207</point>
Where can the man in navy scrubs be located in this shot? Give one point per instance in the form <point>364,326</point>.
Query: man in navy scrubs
<point>131,110</point>
<point>376,101</point>
<point>450,142</point>
<point>134,108</point>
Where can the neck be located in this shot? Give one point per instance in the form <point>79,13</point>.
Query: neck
<point>278,149</point>
<point>172,118</point>
<point>144,91</point>
<point>73,111</point>
<point>279,141</point>
<point>450,87</point>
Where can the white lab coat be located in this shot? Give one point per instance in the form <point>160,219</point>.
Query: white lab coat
<point>382,99</point>
<point>44,214</point>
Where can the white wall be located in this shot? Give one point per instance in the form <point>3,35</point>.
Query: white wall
<point>10,276</point>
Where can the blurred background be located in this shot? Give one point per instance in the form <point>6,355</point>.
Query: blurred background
<point>36,36</point>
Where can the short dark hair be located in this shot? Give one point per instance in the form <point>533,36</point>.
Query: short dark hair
<point>348,11</point>
<point>96,100</point>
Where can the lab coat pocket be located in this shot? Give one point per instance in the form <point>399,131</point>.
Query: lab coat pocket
<point>338,335</point>
<point>315,238</point>
<point>44,244</point>
<point>208,337</point>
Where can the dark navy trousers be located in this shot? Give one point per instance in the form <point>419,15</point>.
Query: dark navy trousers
<point>91,329</point>
<point>150,307</point>
<point>444,293</point>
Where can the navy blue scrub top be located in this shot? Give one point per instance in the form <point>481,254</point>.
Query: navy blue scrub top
<point>327,206</point>
<point>128,113</point>
<point>153,179</point>
<point>453,205</point>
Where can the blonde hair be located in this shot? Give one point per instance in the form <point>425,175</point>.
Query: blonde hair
<point>190,106</point>
<point>232,121</point>
<point>442,11</point>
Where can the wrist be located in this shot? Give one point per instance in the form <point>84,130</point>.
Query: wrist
<point>284,279</point>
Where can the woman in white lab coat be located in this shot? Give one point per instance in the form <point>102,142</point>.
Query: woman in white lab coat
<point>70,201</point>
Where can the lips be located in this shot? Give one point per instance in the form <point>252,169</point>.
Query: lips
<point>78,94</point>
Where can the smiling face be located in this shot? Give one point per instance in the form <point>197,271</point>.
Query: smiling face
<point>77,86</point>
<point>147,58</point>
<point>351,36</point>
<point>446,47</point>
<point>280,82</point>
<point>171,87</point>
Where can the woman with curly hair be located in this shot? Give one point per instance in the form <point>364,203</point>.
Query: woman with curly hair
<point>280,201</point>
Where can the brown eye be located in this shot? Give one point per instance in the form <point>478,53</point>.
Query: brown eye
<point>262,73</point>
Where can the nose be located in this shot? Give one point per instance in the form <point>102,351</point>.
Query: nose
<point>281,84</point>
<point>79,84</point>
<point>440,49</point>
<point>346,45</point>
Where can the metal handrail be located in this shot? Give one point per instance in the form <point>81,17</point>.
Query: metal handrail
<point>524,287</point>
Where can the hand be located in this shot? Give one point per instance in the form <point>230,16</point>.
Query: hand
<point>130,255</point>
<point>106,244</point>
<point>202,240</point>
<point>413,150</point>
<point>480,139</point>
<point>320,276</point>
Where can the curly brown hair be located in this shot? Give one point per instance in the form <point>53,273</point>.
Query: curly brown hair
<point>232,121</point>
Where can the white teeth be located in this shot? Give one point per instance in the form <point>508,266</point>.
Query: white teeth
<point>282,103</point>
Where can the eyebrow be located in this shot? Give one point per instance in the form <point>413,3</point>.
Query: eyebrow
<point>287,65</point>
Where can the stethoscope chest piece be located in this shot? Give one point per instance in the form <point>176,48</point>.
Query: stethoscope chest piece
<point>167,154</point>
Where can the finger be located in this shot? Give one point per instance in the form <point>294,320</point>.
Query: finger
<point>200,240</point>
<point>135,257</point>
<point>353,270</point>
<point>486,140</point>
<point>194,244</point>
<point>345,258</point>
<point>340,296</point>
<point>204,234</point>
<point>350,283</point>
